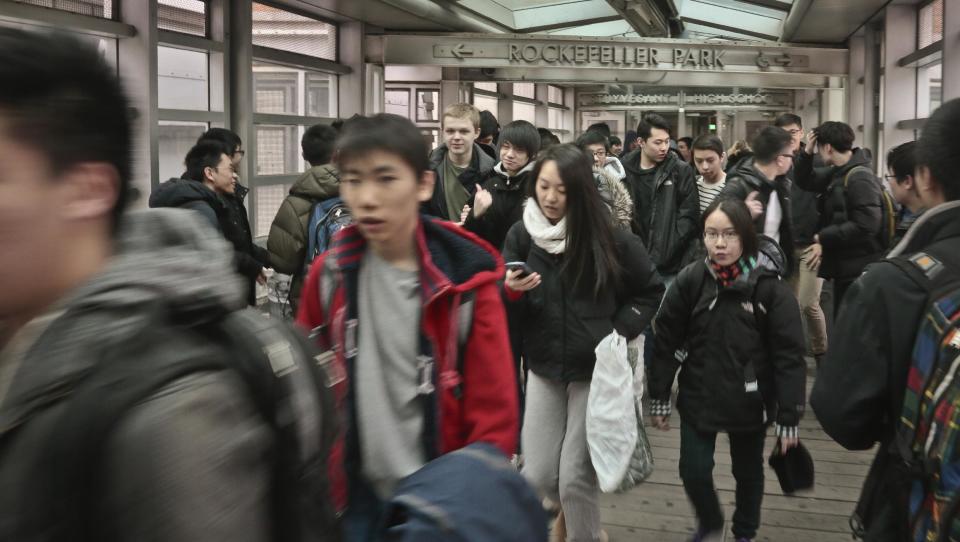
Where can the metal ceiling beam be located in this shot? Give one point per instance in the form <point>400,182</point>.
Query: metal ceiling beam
<point>727,28</point>
<point>575,24</point>
<point>772,4</point>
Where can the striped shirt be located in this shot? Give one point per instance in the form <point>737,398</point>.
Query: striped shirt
<point>709,192</point>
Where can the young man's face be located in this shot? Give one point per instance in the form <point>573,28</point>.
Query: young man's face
<point>709,164</point>
<point>459,135</point>
<point>223,178</point>
<point>903,190</point>
<point>43,215</point>
<point>384,195</point>
<point>785,160</point>
<point>796,134</point>
<point>514,158</point>
<point>616,148</point>
<point>599,153</point>
<point>486,140</point>
<point>656,146</point>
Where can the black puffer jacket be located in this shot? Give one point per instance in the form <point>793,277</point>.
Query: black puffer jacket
<point>805,206</point>
<point>667,215</point>
<point>746,178</point>
<point>481,165</point>
<point>561,328</point>
<point>850,220</point>
<point>747,332</point>
<point>508,193</point>
<point>228,217</point>
<point>859,390</point>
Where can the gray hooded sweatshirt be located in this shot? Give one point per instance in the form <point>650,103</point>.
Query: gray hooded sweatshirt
<point>188,463</point>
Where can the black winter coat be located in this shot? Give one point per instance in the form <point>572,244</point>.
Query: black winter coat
<point>481,165</point>
<point>226,214</point>
<point>749,332</point>
<point>850,220</point>
<point>671,223</point>
<point>859,390</point>
<point>805,206</point>
<point>746,178</point>
<point>561,328</point>
<point>508,193</point>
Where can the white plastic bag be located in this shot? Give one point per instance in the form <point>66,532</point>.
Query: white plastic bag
<point>611,413</point>
<point>641,462</point>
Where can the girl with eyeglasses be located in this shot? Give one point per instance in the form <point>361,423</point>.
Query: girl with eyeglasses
<point>740,326</point>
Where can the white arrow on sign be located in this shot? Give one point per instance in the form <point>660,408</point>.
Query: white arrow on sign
<point>460,49</point>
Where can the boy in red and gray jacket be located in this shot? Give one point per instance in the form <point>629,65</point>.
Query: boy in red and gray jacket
<point>412,309</point>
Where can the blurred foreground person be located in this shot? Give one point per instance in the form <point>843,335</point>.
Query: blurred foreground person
<point>410,307</point>
<point>890,376</point>
<point>137,398</point>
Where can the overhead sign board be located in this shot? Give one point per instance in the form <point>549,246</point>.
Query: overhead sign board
<point>513,51</point>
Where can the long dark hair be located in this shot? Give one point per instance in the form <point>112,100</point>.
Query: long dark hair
<point>591,255</point>
<point>739,215</point>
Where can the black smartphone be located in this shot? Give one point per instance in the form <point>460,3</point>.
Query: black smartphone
<point>525,269</point>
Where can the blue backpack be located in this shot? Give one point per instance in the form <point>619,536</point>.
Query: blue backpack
<point>326,219</point>
<point>471,495</point>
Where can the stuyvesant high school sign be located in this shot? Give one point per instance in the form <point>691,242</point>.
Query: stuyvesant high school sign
<point>614,55</point>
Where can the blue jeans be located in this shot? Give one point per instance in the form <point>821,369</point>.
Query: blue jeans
<point>364,516</point>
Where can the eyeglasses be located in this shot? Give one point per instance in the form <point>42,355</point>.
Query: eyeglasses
<point>794,132</point>
<point>598,154</point>
<point>728,236</point>
<point>240,152</point>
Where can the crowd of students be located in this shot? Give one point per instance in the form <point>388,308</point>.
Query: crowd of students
<point>141,402</point>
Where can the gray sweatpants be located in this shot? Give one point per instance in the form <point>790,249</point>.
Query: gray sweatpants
<point>556,458</point>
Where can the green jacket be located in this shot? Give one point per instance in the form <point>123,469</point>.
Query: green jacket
<point>288,238</point>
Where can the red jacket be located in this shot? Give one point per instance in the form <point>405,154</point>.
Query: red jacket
<point>479,405</point>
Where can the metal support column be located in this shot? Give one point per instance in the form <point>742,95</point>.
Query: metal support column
<point>241,82</point>
<point>899,83</point>
<point>137,58</point>
<point>871,88</point>
<point>352,87</point>
<point>951,50</point>
<point>855,86</point>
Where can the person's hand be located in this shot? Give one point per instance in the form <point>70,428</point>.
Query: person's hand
<point>814,256</point>
<point>464,213</point>
<point>515,283</point>
<point>661,422</point>
<point>754,204</point>
<point>262,277</point>
<point>787,443</point>
<point>811,146</point>
<point>481,201</point>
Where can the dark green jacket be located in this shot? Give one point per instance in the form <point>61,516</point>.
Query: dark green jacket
<point>287,243</point>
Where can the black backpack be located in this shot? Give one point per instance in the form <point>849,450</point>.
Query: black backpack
<point>280,371</point>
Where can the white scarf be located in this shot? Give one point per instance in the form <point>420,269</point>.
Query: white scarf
<point>550,237</point>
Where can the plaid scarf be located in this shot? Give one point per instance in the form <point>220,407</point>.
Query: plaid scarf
<point>728,274</point>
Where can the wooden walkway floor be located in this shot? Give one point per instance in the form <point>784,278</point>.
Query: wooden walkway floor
<point>658,510</point>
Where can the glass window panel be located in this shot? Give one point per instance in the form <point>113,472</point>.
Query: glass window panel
<point>555,118</point>
<point>930,24</point>
<point>489,87</point>
<point>182,79</point>
<point>427,103</point>
<point>555,95</point>
<point>484,103</point>
<point>95,8</point>
<point>293,91</point>
<point>527,112</point>
<point>184,16</point>
<point>278,149</point>
<point>174,140</point>
<point>280,29</point>
<point>397,102</point>
<point>269,198</point>
<point>524,90</point>
<point>929,89</point>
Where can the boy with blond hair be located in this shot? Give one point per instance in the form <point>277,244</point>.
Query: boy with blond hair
<point>459,164</point>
